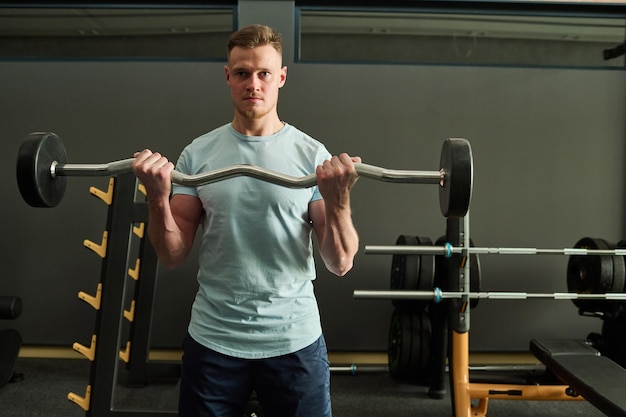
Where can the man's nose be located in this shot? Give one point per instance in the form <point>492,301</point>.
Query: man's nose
<point>253,83</point>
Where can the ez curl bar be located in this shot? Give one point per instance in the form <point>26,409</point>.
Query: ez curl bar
<point>42,169</point>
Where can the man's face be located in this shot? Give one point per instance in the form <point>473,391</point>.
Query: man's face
<point>254,77</point>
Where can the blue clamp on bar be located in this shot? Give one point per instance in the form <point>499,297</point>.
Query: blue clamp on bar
<point>437,295</point>
<point>448,247</point>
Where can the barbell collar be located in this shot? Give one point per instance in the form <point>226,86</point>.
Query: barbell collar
<point>438,295</point>
<point>448,250</point>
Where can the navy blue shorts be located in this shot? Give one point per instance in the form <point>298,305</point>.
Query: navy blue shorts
<point>217,385</point>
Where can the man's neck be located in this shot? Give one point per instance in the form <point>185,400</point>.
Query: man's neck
<point>257,127</point>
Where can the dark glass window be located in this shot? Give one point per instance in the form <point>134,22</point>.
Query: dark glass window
<point>93,33</point>
<point>454,37</point>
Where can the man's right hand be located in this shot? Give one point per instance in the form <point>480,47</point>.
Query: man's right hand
<point>154,171</point>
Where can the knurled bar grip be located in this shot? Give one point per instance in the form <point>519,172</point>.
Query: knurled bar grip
<point>365,170</point>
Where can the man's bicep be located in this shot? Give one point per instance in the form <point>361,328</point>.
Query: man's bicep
<point>187,212</point>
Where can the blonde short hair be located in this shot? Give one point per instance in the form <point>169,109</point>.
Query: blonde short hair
<point>253,36</point>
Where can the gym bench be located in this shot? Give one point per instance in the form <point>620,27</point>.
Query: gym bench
<point>596,378</point>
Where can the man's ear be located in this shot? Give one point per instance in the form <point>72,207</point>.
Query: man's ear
<point>283,76</point>
<point>227,73</point>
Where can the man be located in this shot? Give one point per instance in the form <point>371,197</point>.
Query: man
<point>254,324</point>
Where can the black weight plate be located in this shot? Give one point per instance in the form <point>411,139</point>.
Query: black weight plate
<point>415,371</point>
<point>612,308</point>
<point>422,281</point>
<point>403,265</point>
<point>34,159</point>
<point>614,339</point>
<point>413,264</point>
<point>405,270</point>
<point>619,278</point>
<point>427,268</point>
<point>619,271</point>
<point>10,307</point>
<point>409,345</point>
<point>422,372</point>
<point>399,344</point>
<point>456,191</point>
<point>589,274</point>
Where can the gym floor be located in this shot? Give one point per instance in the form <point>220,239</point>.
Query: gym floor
<point>50,374</point>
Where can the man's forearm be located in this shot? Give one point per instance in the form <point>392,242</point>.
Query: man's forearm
<point>341,240</point>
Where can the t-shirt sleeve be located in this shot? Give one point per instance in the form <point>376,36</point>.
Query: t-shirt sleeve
<point>183,165</point>
<point>322,155</point>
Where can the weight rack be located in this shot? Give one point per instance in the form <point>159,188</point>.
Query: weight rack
<point>452,331</point>
<point>124,214</point>
<point>450,315</point>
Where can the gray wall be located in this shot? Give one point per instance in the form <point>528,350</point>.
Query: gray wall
<point>548,148</point>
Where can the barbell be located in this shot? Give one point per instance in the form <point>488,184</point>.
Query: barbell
<point>589,278</point>
<point>42,169</point>
<point>448,250</point>
<point>437,295</point>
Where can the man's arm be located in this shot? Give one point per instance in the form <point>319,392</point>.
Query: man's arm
<point>172,228</point>
<point>172,223</point>
<point>331,217</point>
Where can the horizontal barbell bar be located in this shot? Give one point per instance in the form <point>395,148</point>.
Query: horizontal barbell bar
<point>42,167</point>
<point>364,170</point>
<point>352,369</point>
<point>448,250</point>
<point>438,295</point>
